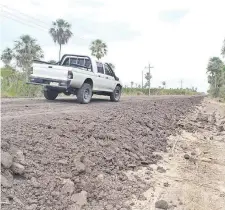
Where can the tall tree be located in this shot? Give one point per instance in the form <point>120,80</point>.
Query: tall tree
<point>98,48</point>
<point>215,70</point>
<point>131,84</point>
<point>26,49</point>
<point>7,56</point>
<point>223,48</point>
<point>164,84</point>
<point>61,33</point>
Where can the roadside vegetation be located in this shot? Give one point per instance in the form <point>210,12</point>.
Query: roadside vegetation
<point>216,76</point>
<point>159,91</point>
<point>14,84</point>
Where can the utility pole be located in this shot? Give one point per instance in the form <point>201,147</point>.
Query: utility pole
<point>142,78</point>
<point>149,71</point>
<point>181,84</point>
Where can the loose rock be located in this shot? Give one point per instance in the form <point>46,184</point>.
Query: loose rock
<point>32,207</point>
<point>6,159</point>
<point>186,156</point>
<point>63,161</point>
<point>166,184</point>
<point>79,198</point>
<point>68,187</point>
<point>161,169</point>
<point>74,207</point>
<point>34,182</point>
<point>17,168</point>
<point>79,166</point>
<point>161,204</point>
<point>18,155</point>
<point>202,117</point>
<point>221,128</point>
<point>5,183</point>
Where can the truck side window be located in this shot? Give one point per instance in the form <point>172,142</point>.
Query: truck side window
<point>88,64</point>
<point>73,61</point>
<point>80,61</point>
<point>108,70</point>
<point>100,68</point>
<point>66,62</point>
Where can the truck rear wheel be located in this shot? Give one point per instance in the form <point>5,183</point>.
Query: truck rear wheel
<point>50,94</point>
<point>115,95</point>
<point>84,94</point>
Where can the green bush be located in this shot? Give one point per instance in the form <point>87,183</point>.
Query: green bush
<point>158,91</point>
<point>13,84</point>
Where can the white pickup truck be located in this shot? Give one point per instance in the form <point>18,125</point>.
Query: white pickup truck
<point>80,75</point>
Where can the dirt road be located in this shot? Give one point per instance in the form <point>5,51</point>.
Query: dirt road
<point>71,156</point>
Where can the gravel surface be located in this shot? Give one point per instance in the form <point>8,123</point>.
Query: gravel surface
<point>70,156</point>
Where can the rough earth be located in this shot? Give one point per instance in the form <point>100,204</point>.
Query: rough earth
<point>63,155</point>
<point>194,164</point>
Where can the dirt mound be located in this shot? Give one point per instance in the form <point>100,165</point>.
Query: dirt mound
<point>75,161</point>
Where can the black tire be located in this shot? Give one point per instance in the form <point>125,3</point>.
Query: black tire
<point>84,94</point>
<point>115,95</point>
<point>50,94</point>
<point>67,93</point>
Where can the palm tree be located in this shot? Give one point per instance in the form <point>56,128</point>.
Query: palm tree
<point>7,56</point>
<point>60,33</point>
<point>98,48</point>
<point>131,84</point>
<point>164,84</point>
<point>26,49</point>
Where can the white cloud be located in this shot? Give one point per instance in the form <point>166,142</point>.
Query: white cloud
<point>177,50</point>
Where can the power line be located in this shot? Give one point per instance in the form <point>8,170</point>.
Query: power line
<point>24,23</point>
<point>26,15</point>
<point>181,84</point>
<point>23,19</point>
<point>30,23</point>
<point>33,25</point>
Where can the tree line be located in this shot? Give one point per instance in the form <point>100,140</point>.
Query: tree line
<point>26,49</point>
<point>216,75</point>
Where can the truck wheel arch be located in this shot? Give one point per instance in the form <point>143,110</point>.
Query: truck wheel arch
<point>119,85</point>
<point>89,81</point>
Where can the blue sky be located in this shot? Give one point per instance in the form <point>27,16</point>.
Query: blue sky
<point>176,37</point>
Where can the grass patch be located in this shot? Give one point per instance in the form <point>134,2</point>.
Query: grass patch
<point>13,84</point>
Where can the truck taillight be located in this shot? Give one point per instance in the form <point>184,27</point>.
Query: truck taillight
<point>70,75</point>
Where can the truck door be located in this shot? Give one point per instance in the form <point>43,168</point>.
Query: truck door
<point>101,82</point>
<point>110,80</point>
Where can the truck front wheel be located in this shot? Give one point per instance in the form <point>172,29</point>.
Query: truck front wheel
<point>115,95</point>
<point>50,94</point>
<point>84,94</point>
